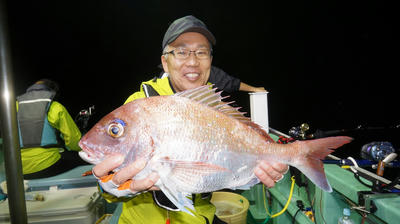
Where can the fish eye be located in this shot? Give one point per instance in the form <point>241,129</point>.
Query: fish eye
<point>115,130</point>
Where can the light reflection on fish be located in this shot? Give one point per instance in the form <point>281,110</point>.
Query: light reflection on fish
<point>197,143</point>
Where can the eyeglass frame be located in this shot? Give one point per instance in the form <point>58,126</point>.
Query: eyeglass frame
<point>189,52</point>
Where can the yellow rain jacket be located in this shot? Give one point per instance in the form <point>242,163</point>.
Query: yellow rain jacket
<point>142,208</point>
<point>37,158</point>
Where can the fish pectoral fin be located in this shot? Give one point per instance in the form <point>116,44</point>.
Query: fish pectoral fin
<point>200,168</point>
<point>178,199</point>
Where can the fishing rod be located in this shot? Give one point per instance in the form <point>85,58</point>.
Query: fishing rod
<point>300,132</point>
<point>360,163</point>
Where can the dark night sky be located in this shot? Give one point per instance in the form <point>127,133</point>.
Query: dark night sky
<point>328,63</point>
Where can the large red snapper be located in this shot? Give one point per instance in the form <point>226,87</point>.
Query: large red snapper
<point>198,144</point>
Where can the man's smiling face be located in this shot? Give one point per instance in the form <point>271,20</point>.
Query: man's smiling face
<point>191,72</point>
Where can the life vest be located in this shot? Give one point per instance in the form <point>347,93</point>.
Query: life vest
<point>33,125</point>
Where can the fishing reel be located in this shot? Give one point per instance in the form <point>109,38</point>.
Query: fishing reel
<point>377,151</point>
<point>300,132</point>
<point>82,118</point>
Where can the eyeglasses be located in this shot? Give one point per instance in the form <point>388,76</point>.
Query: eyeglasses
<point>183,53</point>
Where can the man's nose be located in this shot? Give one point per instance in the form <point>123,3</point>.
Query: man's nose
<point>192,59</point>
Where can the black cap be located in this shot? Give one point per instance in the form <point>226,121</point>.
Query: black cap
<point>186,24</point>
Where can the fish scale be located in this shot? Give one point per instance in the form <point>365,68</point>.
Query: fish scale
<point>197,143</point>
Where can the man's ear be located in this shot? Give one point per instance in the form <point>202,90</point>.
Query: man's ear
<point>164,63</point>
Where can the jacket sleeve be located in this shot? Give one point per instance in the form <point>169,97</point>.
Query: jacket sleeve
<point>223,80</point>
<point>60,119</point>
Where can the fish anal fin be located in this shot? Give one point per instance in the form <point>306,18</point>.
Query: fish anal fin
<point>247,186</point>
<point>314,170</point>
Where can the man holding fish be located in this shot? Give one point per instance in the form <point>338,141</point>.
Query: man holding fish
<point>224,152</point>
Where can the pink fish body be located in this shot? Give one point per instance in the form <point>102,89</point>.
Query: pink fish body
<point>198,144</point>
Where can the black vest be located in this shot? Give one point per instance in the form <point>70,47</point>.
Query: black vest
<point>34,127</point>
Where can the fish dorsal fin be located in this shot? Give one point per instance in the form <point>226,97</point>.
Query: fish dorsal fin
<point>203,94</point>
<point>206,95</point>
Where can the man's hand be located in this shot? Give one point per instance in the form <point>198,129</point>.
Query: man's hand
<point>258,89</point>
<point>120,183</point>
<point>270,172</point>
<point>248,88</point>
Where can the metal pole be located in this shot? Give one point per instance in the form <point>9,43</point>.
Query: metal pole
<point>12,154</point>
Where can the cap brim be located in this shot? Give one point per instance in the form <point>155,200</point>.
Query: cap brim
<point>200,30</point>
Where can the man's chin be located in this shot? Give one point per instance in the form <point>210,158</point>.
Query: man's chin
<point>188,84</point>
<point>193,85</point>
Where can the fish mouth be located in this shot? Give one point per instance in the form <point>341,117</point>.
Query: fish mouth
<point>88,158</point>
<point>88,154</point>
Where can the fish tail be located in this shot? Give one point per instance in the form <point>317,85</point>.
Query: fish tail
<point>311,152</point>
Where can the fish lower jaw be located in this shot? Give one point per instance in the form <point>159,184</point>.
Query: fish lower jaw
<point>86,157</point>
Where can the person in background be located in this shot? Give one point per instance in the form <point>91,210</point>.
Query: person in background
<point>186,57</point>
<point>48,135</point>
